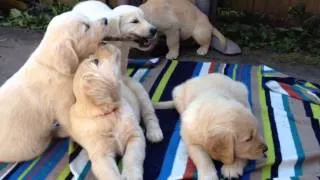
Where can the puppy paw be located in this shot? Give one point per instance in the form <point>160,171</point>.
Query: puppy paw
<point>232,171</point>
<point>202,51</point>
<point>154,134</point>
<point>132,175</point>
<point>172,55</point>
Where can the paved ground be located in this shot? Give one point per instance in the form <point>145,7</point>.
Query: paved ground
<point>16,45</point>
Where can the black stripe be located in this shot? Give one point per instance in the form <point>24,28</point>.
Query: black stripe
<point>278,156</point>
<point>70,176</point>
<point>134,71</point>
<point>157,81</point>
<point>155,153</point>
<point>74,154</point>
<point>314,122</point>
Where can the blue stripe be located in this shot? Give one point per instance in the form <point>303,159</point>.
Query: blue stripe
<point>85,171</point>
<point>51,162</point>
<point>17,172</point>
<point>295,135</point>
<point>171,153</point>
<point>174,141</point>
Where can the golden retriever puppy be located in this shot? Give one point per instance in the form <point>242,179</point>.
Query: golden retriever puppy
<point>217,123</point>
<point>129,21</point>
<point>40,92</point>
<point>105,118</point>
<point>181,19</point>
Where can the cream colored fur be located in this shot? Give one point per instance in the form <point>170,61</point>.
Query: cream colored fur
<point>105,118</point>
<point>129,21</point>
<point>181,19</point>
<point>40,92</point>
<point>217,123</point>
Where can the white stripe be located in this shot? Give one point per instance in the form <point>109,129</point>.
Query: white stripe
<point>8,171</point>
<point>180,162</point>
<point>79,163</point>
<point>275,86</point>
<point>205,69</point>
<point>154,60</point>
<point>139,74</point>
<point>267,68</point>
<point>287,146</point>
<point>181,157</point>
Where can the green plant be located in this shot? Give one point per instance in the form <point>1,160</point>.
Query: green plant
<point>34,18</point>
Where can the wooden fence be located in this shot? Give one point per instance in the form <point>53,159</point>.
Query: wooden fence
<point>275,7</point>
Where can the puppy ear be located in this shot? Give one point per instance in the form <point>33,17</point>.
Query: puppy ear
<point>221,146</point>
<point>66,60</point>
<point>98,90</point>
<point>115,22</point>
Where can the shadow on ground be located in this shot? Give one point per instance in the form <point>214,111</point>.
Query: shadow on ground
<point>17,44</point>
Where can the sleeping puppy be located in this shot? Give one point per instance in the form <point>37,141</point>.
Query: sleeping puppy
<point>105,118</point>
<point>129,21</point>
<point>217,123</point>
<point>181,19</point>
<point>41,90</point>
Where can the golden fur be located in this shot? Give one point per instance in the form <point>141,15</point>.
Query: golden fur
<point>129,21</point>
<point>181,19</point>
<point>217,123</point>
<point>40,92</point>
<point>105,118</point>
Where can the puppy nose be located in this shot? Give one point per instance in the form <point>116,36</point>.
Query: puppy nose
<point>153,31</point>
<point>265,148</point>
<point>105,20</point>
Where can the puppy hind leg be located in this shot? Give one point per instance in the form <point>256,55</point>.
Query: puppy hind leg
<point>173,43</point>
<point>154,132</point>
<point>133,158</point>
<point>203,37</point>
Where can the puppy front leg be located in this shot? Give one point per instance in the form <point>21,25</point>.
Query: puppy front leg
<point>104,166</point>
<point>173,43</point>
<point>234,170</point>
<point>133,158</point>
<point>154,132</point>
<point>203,162</point>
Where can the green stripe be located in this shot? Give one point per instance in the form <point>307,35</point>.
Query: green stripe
<point>234,73</point>
<point>156,96</point>
<point>266,171</point>
<point>64,173</point>
<point>29,168</point>
<point>129,71</point>
<point>316,111</point>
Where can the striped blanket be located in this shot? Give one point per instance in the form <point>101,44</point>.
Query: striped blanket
<point>288,110</point>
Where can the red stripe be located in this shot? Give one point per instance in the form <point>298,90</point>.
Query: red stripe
<point>212,67</point>
<point>190,170</point>
<point>43,160</point>
<point>290,91</point>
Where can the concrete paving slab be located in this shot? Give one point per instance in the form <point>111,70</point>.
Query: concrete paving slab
<point>17,44</point>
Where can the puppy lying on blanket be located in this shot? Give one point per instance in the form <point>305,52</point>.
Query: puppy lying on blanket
<point>129,21</point>
<point>40,92</point>
<point>217,123</point>
<point>105,118</point>
<point>181,19</point>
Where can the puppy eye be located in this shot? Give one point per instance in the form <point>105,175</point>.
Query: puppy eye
<point>87,27</point>
<point>135,21</point>
<point>249,139</point>
<point>95,61</point>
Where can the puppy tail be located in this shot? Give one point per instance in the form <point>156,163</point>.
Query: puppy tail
<point>220,36</point>
<point>164,105</point>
